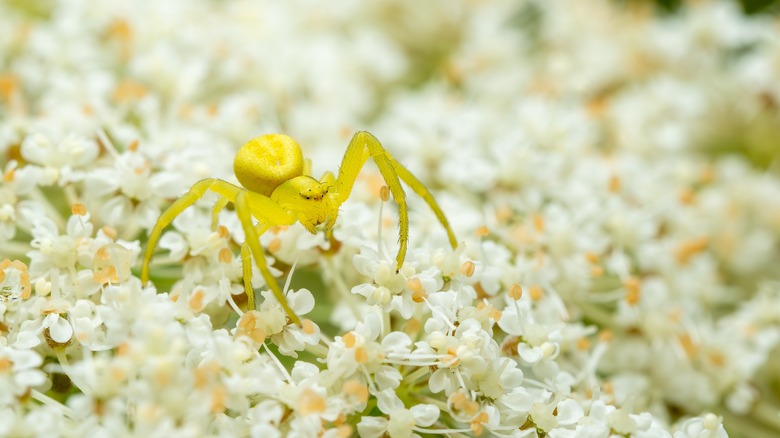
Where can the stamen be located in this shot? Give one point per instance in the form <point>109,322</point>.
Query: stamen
<point>467,268</point>
<point>516,292</point>
<point>78,209</point>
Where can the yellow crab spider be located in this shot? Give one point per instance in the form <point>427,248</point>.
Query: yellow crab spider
<point>278,189</point>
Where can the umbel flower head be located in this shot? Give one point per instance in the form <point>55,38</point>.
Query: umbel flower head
<point>607,172</point>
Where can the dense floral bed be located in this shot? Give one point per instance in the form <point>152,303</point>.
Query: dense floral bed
<point>611,175</point>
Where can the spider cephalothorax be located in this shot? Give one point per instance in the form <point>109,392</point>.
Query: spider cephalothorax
<point>311,201</point>
<point>278,189</point>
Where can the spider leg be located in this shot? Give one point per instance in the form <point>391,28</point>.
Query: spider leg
<point>246,271</point>
<point>260,206</point>
<point>362,146</point>
<point>246,265</point>
<point>242,202</point>
<point>221,203</point>
<point>175,209</point>
<point>423,192</point>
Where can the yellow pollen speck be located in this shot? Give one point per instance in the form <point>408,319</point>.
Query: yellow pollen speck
<point>384,193</point>
<point>592,257</point>
<point>78,209</point>
<point>503,214</point>
<point>583,344</point>
<point>120,29</point>
<point>482,231</point>
<point>133,146</point>
<point>212,110</point>
<point>248,321</point>
<point>309,402</point>
<point>196,300</point>
<point>162,375</point>
<point>687,250</point>
<point>535,292</point>
<point>458,400</point>
<point>110,232</point>
<point>717,358</point>
<point>361,355</point>
<point>218,396</point>
<point>5,364</point>
<point>419,296</point>
<point>614,184</point>
<point>597,106</point>
<point>538,222</point>
<point>467,268</point>
<point>633,289</point>
<point>414,284</point>
<point>606,336</point>
<point>247,327</point>
<point>472,407</point>
<point>8,176</point>
<point>750,329</point>
<point>687,196</point>
<point>117,373</point>
<point>128,90</point>
<point>344,431</point>
<point>277,229</point>
<point>477,423</point>
<point>596,271</point>
<point>412,327</point>
<point>123,349</point>
<point>2,276</point>
<point>516,292</point>
<point>349,340</point>
<point>688,344</point>
<point>308,327</point>
<point>450,359</point>
<point>495,314</point>
<point>258,335</point>
<point>357,390</point>
<point>707,175</point>
<point>8,83</point>
<point>223,232</point>
<point>24,275</point>
<point>225,255</point>
<point>275,245</point>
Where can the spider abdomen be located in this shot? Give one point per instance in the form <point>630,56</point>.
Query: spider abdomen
<point>265,162</point>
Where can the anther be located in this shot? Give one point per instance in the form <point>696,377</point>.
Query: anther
<point>516,292</point>
<point>467,268</point>
<point>78,209</point>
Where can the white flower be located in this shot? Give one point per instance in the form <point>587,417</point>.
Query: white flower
<point>401,421</point>
<point>70,152</point>
<point>706,426</point>
<point>388,289</point>
<point>19,372</point>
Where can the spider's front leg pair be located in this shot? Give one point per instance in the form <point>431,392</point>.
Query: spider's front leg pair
<point>247,204</point>
<point>278,190</point>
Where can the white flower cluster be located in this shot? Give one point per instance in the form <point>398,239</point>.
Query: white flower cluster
<point>611,174</point>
